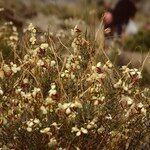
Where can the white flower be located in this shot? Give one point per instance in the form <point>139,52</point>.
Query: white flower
<point>68,111</point>
<point>109,64</point>
<point>44,46</point>
<point>109,117</point>
<point>52,92</point>
<point>74,129</point>
<point>102,98</point>
<point>45,130</point>
<point>68,66</point>
<point>14,29</point>
<point>96,102</point>
<point>32,40</point>
<point>89,126</point>
<point>35,91</point>
<point>54,124</point>
<point>72,76</point>
<point>37,121</point>
<point>139,75</point>
<point>13,38</point>
<point>53,86</point>
<point>52,142</point>
<point>83,130</point>
<point>140,105</point>
<point>1,91</point>
<point>53,62</point>
<point>6,68</point>
<point>125,87</point>
<point>143,111</point>
<point>129,100</point>
<point>23,94</point>
<point>49,100</point>
<point>66,71</point>
<point>101,76</point>
<point>64,106</point>
<point>77,104</point>
<point>43,109</point>
<point>78,133</point>
<point>98,65</point>
<point>118,84</point>
<point>15,69</point>
<point>30,123</point>
<point>40,63</point>
<point>62,74</point>
<point>30,27</point>
<point>29,129</point>
<point>25,80</point>
<point>93,68</point>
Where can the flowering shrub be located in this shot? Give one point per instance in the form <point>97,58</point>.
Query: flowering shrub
<point>51,102</point>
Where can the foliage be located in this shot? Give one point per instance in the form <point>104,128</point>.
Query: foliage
<point>73,102</point>
<point>139,42</point>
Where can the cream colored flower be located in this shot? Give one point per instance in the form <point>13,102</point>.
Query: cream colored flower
<point>45,130</point>
<point>40,63</point>
<point>32,40</point>
<point>43,109</point>
<point>44,46</point>
<point>118,84</point>
<point>1,91</point>
<point>68,111</point>
<point>78,133</point>
<point>139,105</point>
<point>30,123</point>
<point>52,92</point>
<point>49,100</point>
<point>74,129</point>
<point>15,69</point>
<point>30,27</point>
<point>77,104</point>
<point>52,142</point>
<point>99,65</point>
<point>29,129</point>
<point>53,86</point>
<point>37,121</point>
<point>83,130</point>
<point>143,111</point>
<point>53,62</point>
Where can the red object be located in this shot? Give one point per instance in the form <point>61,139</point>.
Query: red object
<point>108,18</point>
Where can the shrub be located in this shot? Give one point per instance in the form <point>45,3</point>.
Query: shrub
<point>51,102</point>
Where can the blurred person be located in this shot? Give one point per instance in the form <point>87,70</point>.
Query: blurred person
<point>131,28</point>
<point>120,15</point>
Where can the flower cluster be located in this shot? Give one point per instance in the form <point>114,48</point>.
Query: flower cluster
<point>32,124</point>
<point>32,31</point>
<point>72,66</point>
<point>67,107</point>
<point>79,131</point>
<point>99,71</point>
<point>135,74</point>
<point>14,37</point>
